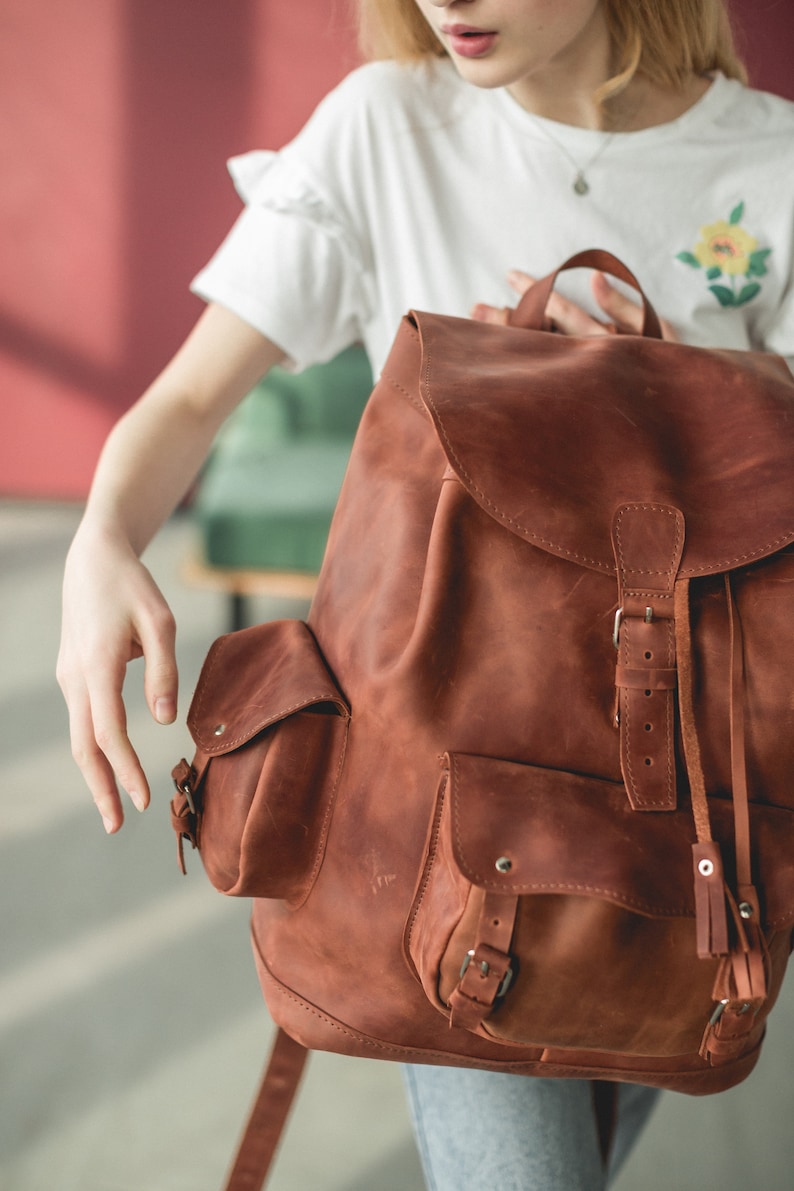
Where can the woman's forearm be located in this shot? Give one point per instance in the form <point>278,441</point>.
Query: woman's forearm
<point>156,449</point>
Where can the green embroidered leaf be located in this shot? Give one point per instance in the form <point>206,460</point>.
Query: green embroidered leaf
<point>747,293</point>
<point>758,262</point>
<point>736,214</point>
<point>688,258</point>
<point>724,296</point>
<point>714,272</point>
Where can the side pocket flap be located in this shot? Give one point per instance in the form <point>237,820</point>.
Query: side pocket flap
<point>223,716</point>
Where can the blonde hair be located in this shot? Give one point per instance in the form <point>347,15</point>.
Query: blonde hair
<point>666,40</point>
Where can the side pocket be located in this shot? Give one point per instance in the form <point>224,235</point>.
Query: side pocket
<point>270,727</point>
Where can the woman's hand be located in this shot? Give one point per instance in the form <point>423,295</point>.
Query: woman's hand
<point>113,612</point>
<point>112,609</point>
<point>622,314</point>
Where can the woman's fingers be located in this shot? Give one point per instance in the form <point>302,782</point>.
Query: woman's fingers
<point>626,314</point>
<point>623,313</point>
<point>160,682</point>
<point>113,613</point>
<point>567,317</point>
<point>96,769</point>
<point>118,757</point>
<point>98,731</point>
<point>490,314</point>
<point>98,746</point>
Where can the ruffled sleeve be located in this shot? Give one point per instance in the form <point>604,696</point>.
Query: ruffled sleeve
<point>292,265</point>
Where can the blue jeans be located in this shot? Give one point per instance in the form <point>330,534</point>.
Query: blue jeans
<point>516,1132</point>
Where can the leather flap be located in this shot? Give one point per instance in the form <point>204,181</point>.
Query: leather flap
<point>556,832</point>
<point>550,434</point>
<point>255,677</point>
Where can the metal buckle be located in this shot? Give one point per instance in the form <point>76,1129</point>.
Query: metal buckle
<point>188,793</point>
<point>485,968</point>
<point>648,618</point>
<point>723,1005</point>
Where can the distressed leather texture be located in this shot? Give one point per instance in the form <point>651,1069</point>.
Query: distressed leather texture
<point>477,834</point>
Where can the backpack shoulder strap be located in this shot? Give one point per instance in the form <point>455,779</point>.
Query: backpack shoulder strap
<point>268,1114</point>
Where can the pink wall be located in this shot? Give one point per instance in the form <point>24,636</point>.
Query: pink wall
<point>767,42</point>
<point>119,115</point>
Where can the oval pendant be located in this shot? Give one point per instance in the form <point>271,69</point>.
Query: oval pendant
<point>580,184</point>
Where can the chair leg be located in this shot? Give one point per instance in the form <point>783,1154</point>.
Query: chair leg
<point>238,612</point>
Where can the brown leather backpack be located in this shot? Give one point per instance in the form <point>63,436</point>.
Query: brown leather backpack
<point>519,793</point>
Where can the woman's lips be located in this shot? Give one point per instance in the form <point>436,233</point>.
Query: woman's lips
<point>468,42</point>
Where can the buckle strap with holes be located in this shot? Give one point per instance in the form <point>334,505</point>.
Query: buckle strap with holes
<point>487,968</point>
<point>648,541</point>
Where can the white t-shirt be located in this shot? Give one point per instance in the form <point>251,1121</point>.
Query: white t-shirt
<point>409,188</point>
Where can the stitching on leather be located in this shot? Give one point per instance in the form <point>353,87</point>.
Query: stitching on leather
<point>528,1065</point>
<point>404,392</point>
<point>655,593</point>
<point>666,511</point>
<point>598,564</point>
<point>270,720</point>
<point>753,555</point>
<point>665,747</point>
<point>572,887</point>
<point>567,886</point>
<point>348,1031</point>
<point>431,856</point>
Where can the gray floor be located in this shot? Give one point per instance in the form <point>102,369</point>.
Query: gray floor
<point>131,1022</point>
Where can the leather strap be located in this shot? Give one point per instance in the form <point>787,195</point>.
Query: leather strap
<point>185,816</point>
<point>487,969</point>
<point>648,541</point>
<point>748,972</point>
<point>531,310</point>
<point>740,987</point>
<point>268,1115</point>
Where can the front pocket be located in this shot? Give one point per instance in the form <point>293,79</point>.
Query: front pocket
<point>270,727</point>
<point>551,914</point>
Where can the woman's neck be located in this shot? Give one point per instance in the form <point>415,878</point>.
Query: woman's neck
<point>643,103</point>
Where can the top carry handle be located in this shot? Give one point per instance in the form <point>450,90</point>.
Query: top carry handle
<point>530,314</point>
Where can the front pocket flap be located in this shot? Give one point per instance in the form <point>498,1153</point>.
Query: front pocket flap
<point>523,830</point>
<point>255,677</point>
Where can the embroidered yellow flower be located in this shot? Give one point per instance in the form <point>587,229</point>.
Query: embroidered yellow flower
<point>725,247</point>
<point>726,250</point>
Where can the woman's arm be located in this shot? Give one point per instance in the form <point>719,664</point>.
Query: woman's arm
<point>112,609</point>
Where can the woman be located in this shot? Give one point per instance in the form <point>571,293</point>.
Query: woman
<point>493,139</point>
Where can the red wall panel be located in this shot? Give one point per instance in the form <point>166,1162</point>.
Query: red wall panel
<point>117,118</point>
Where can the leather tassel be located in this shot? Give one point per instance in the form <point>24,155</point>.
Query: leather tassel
<point>749,958</point>
<point>710,902</point>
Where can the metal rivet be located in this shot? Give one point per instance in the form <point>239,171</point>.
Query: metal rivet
<point>504,864</point>
<point>219,729</point>
<point>745,909</point>
<point>706,868</point>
